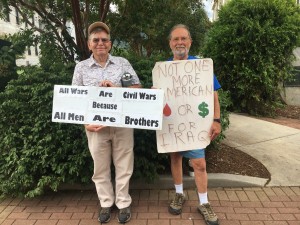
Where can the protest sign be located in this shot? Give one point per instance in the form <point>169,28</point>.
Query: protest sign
<point>118,107</point>
<point>188,103</point>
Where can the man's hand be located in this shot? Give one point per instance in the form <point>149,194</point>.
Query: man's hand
<point>93,128</point>
<point>106,83</point>
<point>215,130</point>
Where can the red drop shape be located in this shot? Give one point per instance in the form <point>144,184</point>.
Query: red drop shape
<point>167,110</point>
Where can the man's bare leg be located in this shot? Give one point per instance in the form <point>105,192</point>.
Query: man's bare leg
<point>175,206</point>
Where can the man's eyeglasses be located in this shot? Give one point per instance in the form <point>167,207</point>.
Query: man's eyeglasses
<point>104,40</point>
<point>183,39</point>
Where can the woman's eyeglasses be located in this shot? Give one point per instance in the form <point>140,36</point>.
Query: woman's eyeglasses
<point>104,40</point>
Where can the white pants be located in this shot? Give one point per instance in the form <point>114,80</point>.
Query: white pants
<point>112,143</point>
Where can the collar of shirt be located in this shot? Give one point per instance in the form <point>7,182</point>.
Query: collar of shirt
<point>93,62</point>
<point>189,57</point>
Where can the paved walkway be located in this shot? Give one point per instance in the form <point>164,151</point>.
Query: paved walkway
<point>276,146</point>
<point>234,206</point>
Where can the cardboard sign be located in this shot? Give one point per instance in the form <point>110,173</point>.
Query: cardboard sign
<point>117,107</point>
<point>188,104</point>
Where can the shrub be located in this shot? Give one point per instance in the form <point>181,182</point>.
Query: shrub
<point>251,45</point>
<point>36,153</point>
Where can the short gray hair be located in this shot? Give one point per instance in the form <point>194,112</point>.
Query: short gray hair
<point>179,26</point>
<point>98,30</point>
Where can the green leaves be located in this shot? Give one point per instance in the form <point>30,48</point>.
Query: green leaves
<point>36,153</point>
<point>251,45</point>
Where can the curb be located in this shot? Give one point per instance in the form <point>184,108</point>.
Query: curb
<point>232,180</point>
<point>164,182</point>
<point>214,180</point>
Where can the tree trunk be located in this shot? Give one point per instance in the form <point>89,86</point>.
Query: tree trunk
<point>80,37</point>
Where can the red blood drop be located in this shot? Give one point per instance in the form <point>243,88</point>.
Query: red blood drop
<point>167,110</point>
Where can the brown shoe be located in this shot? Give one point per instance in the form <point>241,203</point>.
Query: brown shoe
<point>175,206</point>
<point>124,215</point>
<point>104,215</point>
<point>209,216</point>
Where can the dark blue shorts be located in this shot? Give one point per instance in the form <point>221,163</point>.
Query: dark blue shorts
<point>193,154</point>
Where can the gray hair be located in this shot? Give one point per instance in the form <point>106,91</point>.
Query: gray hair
<point>180,26</point>
<point>98,30</point>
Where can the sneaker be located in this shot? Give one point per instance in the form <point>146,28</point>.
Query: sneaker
<point>104,215</point>
<point>124,215</point>
<point>175,206</point>
<point>209,216</point>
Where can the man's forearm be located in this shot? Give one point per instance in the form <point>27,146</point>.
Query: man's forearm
<point>217,111</point>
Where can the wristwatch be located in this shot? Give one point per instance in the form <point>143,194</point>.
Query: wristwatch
<point>218,120</point>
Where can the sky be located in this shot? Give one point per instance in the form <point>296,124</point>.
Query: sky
<point>207,7</point>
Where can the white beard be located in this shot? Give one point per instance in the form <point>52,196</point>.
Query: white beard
<point>180,52</point>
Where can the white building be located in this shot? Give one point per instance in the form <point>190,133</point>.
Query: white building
<point>12,25</point>
<point>216,7</point>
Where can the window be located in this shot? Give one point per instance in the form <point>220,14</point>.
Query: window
<point>17,16</point>
<point>36,49</point>
<point>7,17</point>
<point>295,82</point>
<point>29,50</point>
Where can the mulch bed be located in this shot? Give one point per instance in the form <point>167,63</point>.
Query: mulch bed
<point>230,160</point>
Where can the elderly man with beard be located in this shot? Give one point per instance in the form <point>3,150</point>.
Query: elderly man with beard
<point>180,42</point>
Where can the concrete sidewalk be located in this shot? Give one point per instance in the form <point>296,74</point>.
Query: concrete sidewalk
<point>277,147</point>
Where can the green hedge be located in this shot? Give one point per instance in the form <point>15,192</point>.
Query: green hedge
<point>36,153</point>
<point>251,45</point>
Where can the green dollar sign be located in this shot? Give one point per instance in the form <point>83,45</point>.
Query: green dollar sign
<point>203,109</point>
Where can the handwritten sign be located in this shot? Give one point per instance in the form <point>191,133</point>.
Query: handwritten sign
<point>118,107</point>
<point>188,104</point>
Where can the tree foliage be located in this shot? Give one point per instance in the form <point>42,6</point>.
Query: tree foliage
<point>55,20</point>
<point>141,24</point>
<point>9,52</point>
<point>251,45</point>
<point>7,63</point>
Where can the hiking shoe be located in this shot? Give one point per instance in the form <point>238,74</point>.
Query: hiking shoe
<point>104,215</point>
<point>124,215</point>
<point>209,216</point>
<point>175,206</point>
